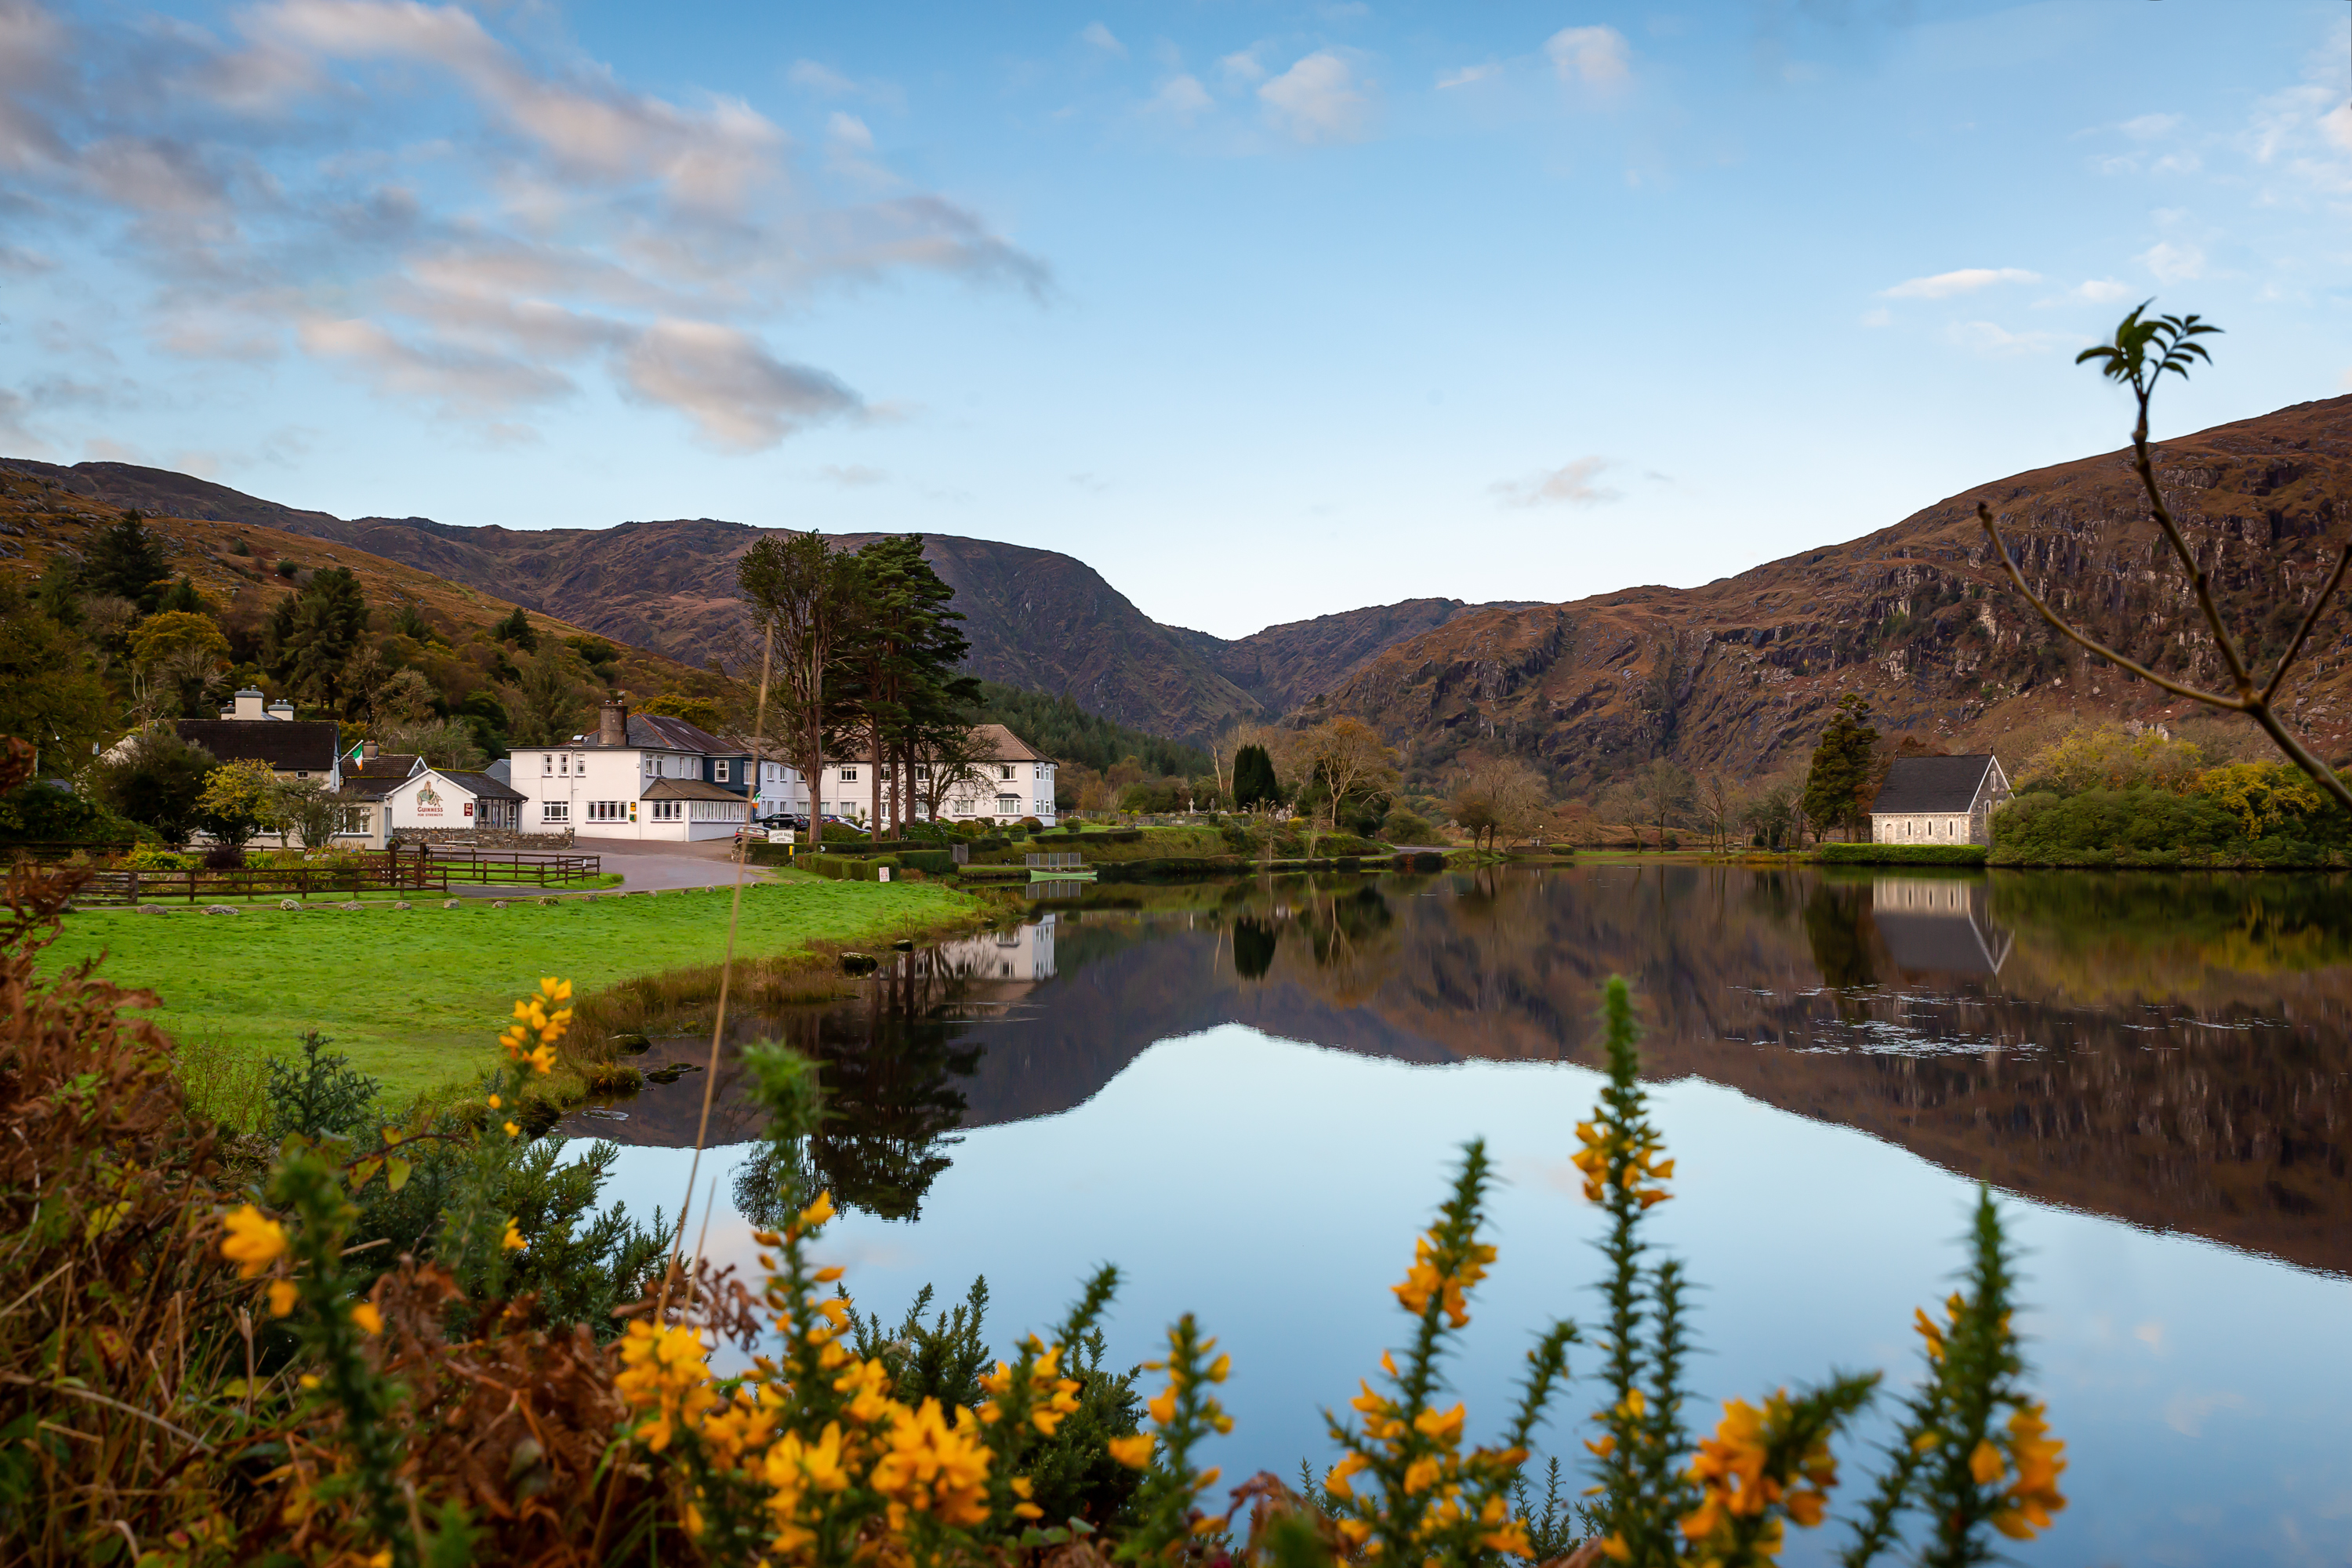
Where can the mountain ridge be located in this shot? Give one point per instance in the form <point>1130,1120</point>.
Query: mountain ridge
<point>1736,675</point>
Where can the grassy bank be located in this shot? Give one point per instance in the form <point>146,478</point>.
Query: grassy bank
<point>416,997</point>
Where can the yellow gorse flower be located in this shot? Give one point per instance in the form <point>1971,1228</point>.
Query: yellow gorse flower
<point>540,1020</point>
<point>1735,1483</point>
<point>254,1241</point>
<point>933,1467</point>
<point>1635,1159</point>
<point>2037,1459</point>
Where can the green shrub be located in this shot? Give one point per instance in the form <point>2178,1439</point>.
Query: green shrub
<point>153,857</point>
<point>1403,826</point>
<point>1902,853</point>
<point>2041,826</point>
<point>931,862</point>
<point>286,568</point>
<point>38,812</point>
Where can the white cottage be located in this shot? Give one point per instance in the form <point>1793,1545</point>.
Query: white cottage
<point>639,776</point>
<point>433,798</point>
<point>1939,800</point>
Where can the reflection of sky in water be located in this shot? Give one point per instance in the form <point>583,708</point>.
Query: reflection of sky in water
<point>1274,1189</point>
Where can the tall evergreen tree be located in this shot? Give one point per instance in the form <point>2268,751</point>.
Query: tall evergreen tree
<point>128,562</point>
<point>309,638</point>
<point>1254,785</point>
<point>1842,766</point>
<point>517,629</point>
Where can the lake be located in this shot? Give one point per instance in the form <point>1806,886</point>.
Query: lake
<point>1249,1096</point>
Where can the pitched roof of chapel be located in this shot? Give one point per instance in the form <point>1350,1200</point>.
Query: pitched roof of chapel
<point>1931,783</point>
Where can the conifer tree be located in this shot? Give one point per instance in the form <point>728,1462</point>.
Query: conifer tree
<point>1841,765</point>
<point>126,562</point>
<point>1254,785</point>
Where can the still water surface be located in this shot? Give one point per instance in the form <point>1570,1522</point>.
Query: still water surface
<point>1249,1095</point>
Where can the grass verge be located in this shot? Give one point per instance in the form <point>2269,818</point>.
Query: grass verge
<point>416,997</point>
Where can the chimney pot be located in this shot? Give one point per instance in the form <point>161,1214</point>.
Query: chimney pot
<point>367,750</point>
<point>612,723</point>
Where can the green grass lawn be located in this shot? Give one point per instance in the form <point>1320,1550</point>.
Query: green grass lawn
<point>416,997</point>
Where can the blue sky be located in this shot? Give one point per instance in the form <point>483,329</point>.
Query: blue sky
<point>1265,311</point>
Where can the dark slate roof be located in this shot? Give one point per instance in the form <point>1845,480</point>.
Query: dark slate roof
<point>482,786</point>
<point>676,734</point>
<point>370,786</point>
<point>1931,783</point>
<point>393,765</point>
<point>687,789</point>
<point>288,745</point>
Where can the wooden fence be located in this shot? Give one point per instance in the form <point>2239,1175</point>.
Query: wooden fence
<point>465,864</point>
<point>401,875</point>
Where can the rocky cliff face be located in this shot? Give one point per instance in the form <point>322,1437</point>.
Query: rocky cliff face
<point>1739,674</point>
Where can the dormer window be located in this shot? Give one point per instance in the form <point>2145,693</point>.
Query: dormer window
<point>719,770</point>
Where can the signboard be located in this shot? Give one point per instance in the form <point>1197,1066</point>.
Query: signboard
<point>469,808</point>
<point>429,801</point>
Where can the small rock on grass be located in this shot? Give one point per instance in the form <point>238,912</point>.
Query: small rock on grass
<point>220,908</point>
<point>289,903</point>
<point>497,903</point>
<point>354,906</point>
<point>453,903</point>
<point>401,905</point>
<point>151,909</point>
<point>548,902</point>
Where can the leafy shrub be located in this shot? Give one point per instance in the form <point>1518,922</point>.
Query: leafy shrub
<point>1030,825</point>
<point>1404,826</point>
<point>286,569</point>
<point>1902,853</point>
<point>224,858</point>
<point>154,857</point>
<point>2043,826</point>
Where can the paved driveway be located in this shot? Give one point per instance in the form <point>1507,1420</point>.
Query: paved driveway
<point>645,864</point>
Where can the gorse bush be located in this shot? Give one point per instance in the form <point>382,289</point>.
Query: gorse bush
<point>385,1351</point>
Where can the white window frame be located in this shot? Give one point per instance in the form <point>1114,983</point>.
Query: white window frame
<point>547,765</point>
<point>849,776</point>
<point>555,811</point>
<point>719,769</point>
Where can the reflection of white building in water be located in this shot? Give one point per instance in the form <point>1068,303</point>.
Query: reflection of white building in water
<point>1938,923</point>
<point>1023,953</point>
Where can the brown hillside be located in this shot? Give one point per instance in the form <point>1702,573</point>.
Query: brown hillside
<point>40,518</point>
<point>1037,618</point>
<point>1738,675</point>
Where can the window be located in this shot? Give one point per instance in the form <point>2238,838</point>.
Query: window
<point>555,811</point>
<point>608,811</point>
<point>719,770</point>
<point>849,776</point>
<point>667,810</point>
<point>1008,805</point>
<point>547,763</point>
<point>566,769</point>
<point>579,764</point>
<point>922,771</point>
<point>353,819</point>
<point>1004,770</point>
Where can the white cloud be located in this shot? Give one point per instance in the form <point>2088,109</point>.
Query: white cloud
<point>855,476</point>
<point>824,81</point>
<point>1101,38</point>
<point>2103,291</point>
<point>739,396</point>
<point>1571,484</point>
<point>1597,56</point>
<point>1182,99</point>
<point>560,225</point>
<point>1468,76</point>
<point>1997,342</point>
<point>1242,67</point>
<point>2173,263</point>
<point>1319,99</point>
<point>1879,317</point>
<point>1967,280</point>
<point>2148,127</point>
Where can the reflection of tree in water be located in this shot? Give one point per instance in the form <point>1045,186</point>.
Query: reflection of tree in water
<point>889,1074</point>
<point>1254,944</point>
<point>1837,924</point>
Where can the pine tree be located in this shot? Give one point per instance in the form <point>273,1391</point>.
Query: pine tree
<point>1841,765</point>
<point>517,629</point>
<point>126,561</point>
<point>1254,784</point>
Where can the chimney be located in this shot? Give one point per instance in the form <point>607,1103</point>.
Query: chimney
<point>367,750</point>
<point>248,705</point>
<point>612,723</point>
<point>281,709</point>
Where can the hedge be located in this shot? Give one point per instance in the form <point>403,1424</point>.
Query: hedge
<point>1900,854</point>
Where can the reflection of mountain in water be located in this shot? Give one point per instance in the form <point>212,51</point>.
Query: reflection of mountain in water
<point>2169,1050</point>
